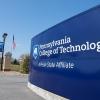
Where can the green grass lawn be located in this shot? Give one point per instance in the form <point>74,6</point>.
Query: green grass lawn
<point>15,67</point>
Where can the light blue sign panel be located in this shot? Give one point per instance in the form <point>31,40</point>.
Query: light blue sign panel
<point>1,46</point>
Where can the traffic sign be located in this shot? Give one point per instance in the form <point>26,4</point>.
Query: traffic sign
<point>1,46</point>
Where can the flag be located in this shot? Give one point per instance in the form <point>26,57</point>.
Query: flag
<point>14,44</point>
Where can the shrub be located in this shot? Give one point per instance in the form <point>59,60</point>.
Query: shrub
<point>24,64</point>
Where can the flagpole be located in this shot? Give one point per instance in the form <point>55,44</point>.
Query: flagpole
<point>13,45</point>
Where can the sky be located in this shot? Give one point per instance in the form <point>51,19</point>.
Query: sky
<point>26,18</point>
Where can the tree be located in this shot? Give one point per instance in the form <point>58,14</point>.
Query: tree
<point>15,62</point>
<point>8,54</point>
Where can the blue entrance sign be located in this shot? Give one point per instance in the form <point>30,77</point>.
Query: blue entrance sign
<point>1,46</point>
<point>65,59</point>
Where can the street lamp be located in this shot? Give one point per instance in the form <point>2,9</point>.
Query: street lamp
<point>4,38</point>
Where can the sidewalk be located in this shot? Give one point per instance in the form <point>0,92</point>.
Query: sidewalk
<point>13,86</point>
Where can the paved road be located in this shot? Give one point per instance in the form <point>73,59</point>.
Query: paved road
<point>13,86</point>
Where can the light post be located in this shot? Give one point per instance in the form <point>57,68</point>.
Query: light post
<point>4,38</point>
